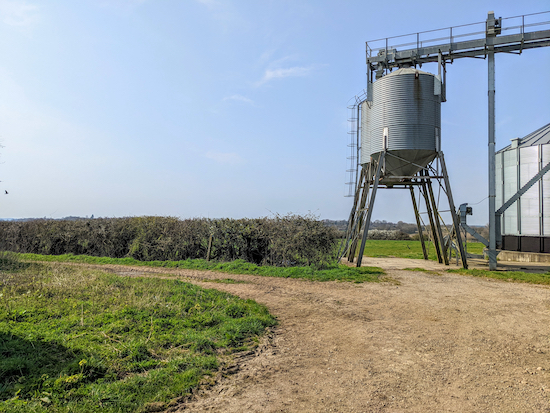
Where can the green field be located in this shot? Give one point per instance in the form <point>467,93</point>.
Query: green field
<point>80,340</point>
<point>409,249</point>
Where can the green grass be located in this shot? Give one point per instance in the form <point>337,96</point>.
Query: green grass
<point>514,276</point>
<point>332,272</point>
<point>408,249</point>
<point>81,340</point>
<point>475,248</point>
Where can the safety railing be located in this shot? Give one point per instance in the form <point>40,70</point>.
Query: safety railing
<point>510,25</point>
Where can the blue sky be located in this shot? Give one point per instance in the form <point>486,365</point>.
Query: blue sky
<point>227,108</point>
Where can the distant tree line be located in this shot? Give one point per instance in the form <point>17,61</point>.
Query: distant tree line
<point>281,240</point>
<point>342,225</point>
<point>383,230</point>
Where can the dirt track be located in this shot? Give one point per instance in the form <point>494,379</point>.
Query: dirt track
<point>427,343</point>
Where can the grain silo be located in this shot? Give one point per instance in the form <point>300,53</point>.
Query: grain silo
<point>400,148</point>
<point>403,118</point>
<point>525,225</point>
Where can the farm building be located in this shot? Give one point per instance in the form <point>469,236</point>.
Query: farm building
<point>525,225</point>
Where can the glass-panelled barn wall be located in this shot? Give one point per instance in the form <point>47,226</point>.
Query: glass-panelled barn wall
<point>530,215</point>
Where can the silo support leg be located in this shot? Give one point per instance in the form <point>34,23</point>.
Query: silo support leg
<point>456,222</point>
<point>352,221</point>
<point>432,223</point>
<point>359,216</point>
<point>417,215</point>
<point>437,223</point>
<point>368,217</point>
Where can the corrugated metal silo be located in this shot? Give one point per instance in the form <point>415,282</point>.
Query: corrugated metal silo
<point>526,224</point>
<point>403,115</point>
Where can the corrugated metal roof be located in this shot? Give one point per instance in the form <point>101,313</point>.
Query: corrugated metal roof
<point>539,137</point>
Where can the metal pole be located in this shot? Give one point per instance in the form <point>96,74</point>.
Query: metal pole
<point>492,172</point>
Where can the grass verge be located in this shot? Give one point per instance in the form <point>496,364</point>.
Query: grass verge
<point>513,276</point>
<point>333,272</point>
<point>80,340</point>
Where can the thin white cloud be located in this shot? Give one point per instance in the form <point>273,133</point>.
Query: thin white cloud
<point>18,13</point>
<point>239,98</point>
<point>265,56</point>
<point>271,74</point>
<point>227,158</point>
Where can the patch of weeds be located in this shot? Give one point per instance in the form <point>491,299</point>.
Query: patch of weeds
<point>77,340</point>
<point>10,261</point>
<point>512,276</point>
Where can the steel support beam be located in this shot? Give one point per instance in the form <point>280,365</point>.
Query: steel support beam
<point>366,222</point>
<point>351,220</point>
<point>432,223</point>
<point>474,233</point>
<point>491,148</point>
<point>417,215</point>
<point>437,223</point>
<point>360,214</point>
<point>456,222</point>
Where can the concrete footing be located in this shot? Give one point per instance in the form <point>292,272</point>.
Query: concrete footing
<point>519,256</point>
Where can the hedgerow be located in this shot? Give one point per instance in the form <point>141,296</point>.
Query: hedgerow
<point>281,240</point>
